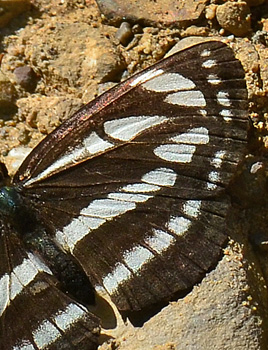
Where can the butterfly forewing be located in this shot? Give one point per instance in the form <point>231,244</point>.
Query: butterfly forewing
<point>204,80</point>
<point>133,184</point>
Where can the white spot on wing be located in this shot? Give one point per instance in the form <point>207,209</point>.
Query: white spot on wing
<point>45,334</point>
<point>160,177</point>
<point>195,136</point>
<point>25,273</point>
<point>146,76</point>
<point>192,208</point>
<point>129,197</point>
<point>4,293</point>
<point>113,279</point>
<point>160,241</point>
<point>205,53</point>
<point>218,159</point>
<point>209,64</point>
<point>223,98</point>
<point>213,178</point>
<point>66,318</point>
<point>134,259</point>
<point>125,129</point>
<point>107,208</point>
<point>90,146</point>
<point>213,79</point>
<point>179,225</point>
<point>39,264</point>
<point>211,186</point>
<point>137,257</point>
<point>76,230</point>
<point>192,98</point>
<point>16,285</point>
<point>175,153</point>
<point>169,82</point>
<point>184,149</point>
<point>140,188</point>
<point>226,114</point>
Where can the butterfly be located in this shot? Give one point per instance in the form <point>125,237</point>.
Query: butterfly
<point>128,195</point>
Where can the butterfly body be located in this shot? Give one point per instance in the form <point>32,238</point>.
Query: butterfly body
<point>131,191</point>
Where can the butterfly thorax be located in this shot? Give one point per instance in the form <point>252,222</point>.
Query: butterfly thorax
<point>13,209</point>
<point>9,201</point>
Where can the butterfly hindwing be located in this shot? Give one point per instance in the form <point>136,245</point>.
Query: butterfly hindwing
<point>34,313</point>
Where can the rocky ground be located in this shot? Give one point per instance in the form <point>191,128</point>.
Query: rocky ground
<point>58,55</point>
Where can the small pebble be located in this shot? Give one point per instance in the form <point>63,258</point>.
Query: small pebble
<point>7,98</point>
<point>234,17</point>
<point>124,34</point>
<point>16,157</point>
<point>26,78</point>
<point>210,11</point>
